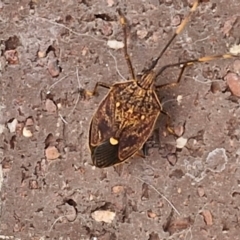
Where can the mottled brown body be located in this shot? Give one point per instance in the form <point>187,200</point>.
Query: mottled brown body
<point>124,121</point>
<point>127,115</point>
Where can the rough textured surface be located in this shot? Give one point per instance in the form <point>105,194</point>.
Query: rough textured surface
<point>49,190</point>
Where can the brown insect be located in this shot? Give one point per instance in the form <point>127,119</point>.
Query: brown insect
<point>127,115</point>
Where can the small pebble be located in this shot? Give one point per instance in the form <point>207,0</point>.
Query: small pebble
<point>181,142</point>
<point>12,125</point>
<point>233,82</point>
<point>50,106</point>
<point>207,217</point>
<point>53,68</point>
<point>52,153</point>
<point>114,44</point>
<point>26,132</point>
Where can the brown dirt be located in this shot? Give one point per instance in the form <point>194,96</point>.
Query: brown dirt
<point>55,198</point>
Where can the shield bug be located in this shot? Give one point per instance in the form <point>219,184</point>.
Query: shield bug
<point>127,115</point>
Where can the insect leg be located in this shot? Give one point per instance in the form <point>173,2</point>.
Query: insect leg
<point>185,64</point>
<point>123,22</point>
<point>168,122</point>
<point>174,83</point>
<point>141,153</point>
<point>177,32</point>
<point>94,92</point>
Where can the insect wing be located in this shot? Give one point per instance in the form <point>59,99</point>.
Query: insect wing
<point>105,155</point>
<point>101,127</point>
<point>134,136</point>
<point>132,139</point>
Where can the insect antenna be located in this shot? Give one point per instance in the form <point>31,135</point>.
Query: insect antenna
<point>123,23</point>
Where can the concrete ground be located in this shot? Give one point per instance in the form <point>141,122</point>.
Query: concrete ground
<point>49,190</point>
